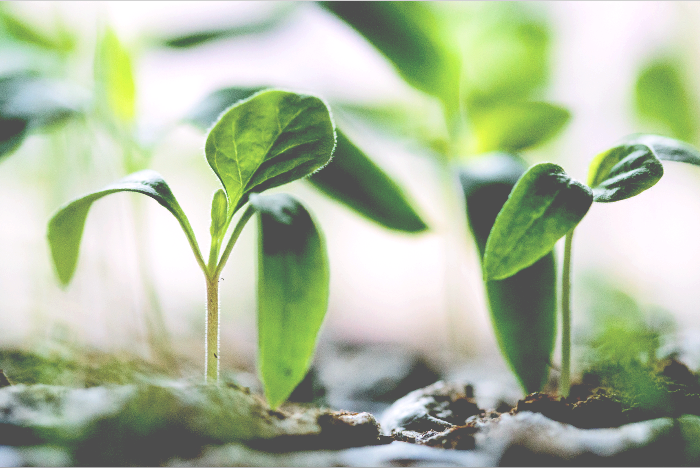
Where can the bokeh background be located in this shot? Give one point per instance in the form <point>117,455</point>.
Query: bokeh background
<point>618,68</point>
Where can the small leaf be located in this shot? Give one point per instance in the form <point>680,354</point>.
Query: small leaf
<point>66,225</point>
<point>219,210</point>
<point>544,205</point>
<point>634,165</point>
<point>517,126</point>
<point>409,35</point>
<point>268,140</point>
<point>208,111</point>
<point>663,95</point>
<point>523,307</point>
<point>29,103</point>
<point>293,286</point>
<point>354,180</point>
<point>114,77</point>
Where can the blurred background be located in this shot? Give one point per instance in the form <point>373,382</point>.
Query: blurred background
<point>93,91</point>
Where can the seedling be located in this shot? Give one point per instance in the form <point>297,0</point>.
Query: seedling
<point>267,140</point>
<point>547,204</point>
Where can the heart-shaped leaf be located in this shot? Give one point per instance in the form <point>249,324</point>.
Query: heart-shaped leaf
<point>353,179</point>
<point>544,205</point>
<point>516,126</point>
<point>634,165</point>
<point>66,225</point>
<point>523,307</point>
<point>293,276</point>
<point>272,138</point>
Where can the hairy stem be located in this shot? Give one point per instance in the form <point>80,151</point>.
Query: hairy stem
<point>211,369</point>
<point>565,385</point>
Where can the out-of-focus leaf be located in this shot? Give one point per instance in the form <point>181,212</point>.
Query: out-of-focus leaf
<point>517,126</point>
<point>22,31</point>
<point>409,35</point>
<point>66,225</point>
<point>114,76</point>
<point>293,286</point>
<point>354,180</point>
<point>505,48</point>
<point>29,103</point>
<point>264,25</point>
<point>208,111</point>
<point>544,206</point>
<point>662,94</point>
<point>523,307</point>
<point>268,140</point>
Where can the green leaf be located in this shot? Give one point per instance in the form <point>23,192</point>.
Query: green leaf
<point>24,32</point>
<point>268,140</point>
<point>517,126</point>
<point>219,210</point>
<point>634,165</point>
<point>354,180</point>
<point>523,307</point>
<point>293,285</point>
<point>208,111</point>
<point>409,35</point>
<point>544,205</point>
<point>114,77</point>
<point>662,94</point>
<point>29,103</point>
<point>66,225</point>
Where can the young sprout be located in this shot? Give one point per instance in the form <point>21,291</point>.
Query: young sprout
<point>267,140</point>
<point>546,205</point>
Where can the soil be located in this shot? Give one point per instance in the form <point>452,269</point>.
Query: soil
<point>120,413</point>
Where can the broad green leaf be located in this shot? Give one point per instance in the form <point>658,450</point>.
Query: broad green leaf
<point>544,206</point>
<point>663,95</point>
<point>29,103</point>
<point>279,16</point>
<point>523,307</point>
<point>293,276</point>
<point>409,35</point>
<point>114,76</point>
<point>66,225</point>
<point>517,126</point>
<point>634,165</point>
<point>354,180</point>
<point>268,140</point>
<point>208,111</point>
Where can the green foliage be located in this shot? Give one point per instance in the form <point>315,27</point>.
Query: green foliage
<point>516,126</point>
<point>114,77</point>
<point>350,178</point>
<point>66,226</point>
<point>293,278</point>
<point>268,140</point>
<point>353,179</point>
<point>523,307</point>
<point>662,94</point>
<point>410,36</point>
<point>29,103</point>
<point>544,205</point>
<point>21,31</point>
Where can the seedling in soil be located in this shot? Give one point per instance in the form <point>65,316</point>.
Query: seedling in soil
<point>547,204</point>
<point>267,140</point>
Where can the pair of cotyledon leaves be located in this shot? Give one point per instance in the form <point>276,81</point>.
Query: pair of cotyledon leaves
<point>547,203</point>
<point>272,138</point>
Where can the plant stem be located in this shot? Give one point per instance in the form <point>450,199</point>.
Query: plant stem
<point>565,385</point>
<point>211,369</point>
<point>212,273</point>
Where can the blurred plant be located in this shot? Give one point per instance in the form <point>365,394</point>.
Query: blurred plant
<point>268,140</point>
<point>546,204</point>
